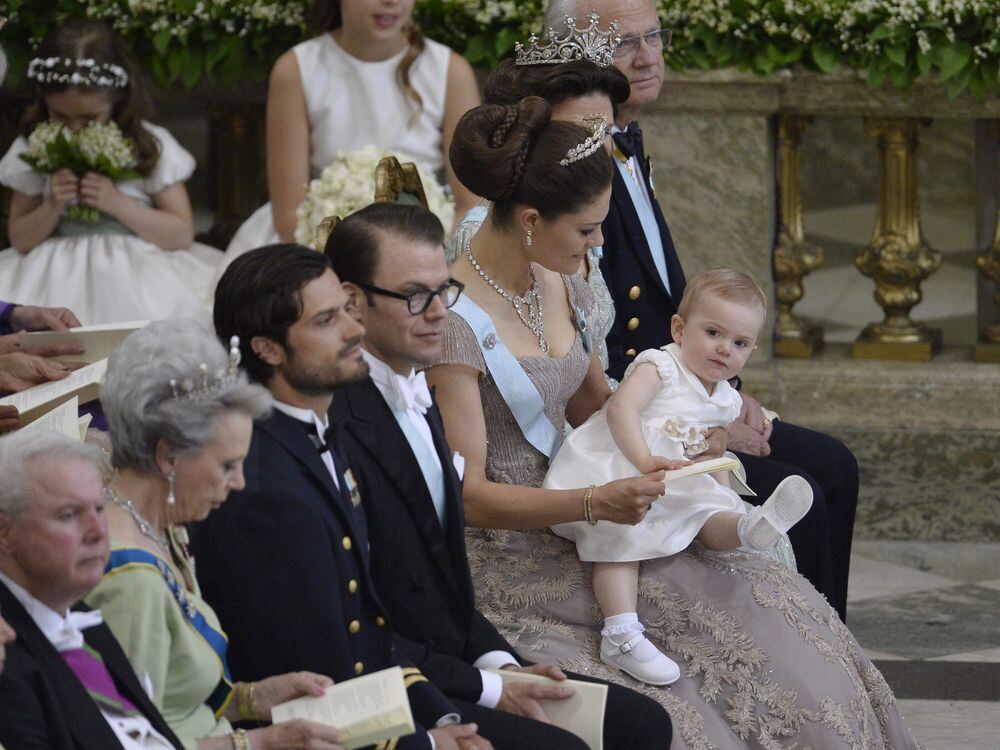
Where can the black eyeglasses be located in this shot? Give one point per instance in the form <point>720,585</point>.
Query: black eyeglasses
<point>417,302</point>
<point>655,40</point>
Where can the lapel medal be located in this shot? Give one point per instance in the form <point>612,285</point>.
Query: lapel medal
<point>352,488</point>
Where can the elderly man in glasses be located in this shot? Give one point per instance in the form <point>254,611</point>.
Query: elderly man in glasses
<point>646,281</point>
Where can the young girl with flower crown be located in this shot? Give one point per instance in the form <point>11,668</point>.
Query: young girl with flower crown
<point>369,77</point>
<point>110,251</point>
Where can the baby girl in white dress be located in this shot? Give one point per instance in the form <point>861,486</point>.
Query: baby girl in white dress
<point>669,400</point>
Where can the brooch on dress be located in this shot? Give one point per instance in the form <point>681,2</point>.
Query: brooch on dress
<point>581,325</point>
<point>691,437</point>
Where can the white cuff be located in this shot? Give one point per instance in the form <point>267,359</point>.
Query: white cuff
<point>495,660</point>
<point>492,689</point>
<point>431,738</point>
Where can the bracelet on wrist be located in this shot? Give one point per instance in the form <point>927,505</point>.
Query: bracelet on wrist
<point>588,512</point>
<point>240,740</point>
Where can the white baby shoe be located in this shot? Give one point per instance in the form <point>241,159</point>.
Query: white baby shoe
<point>637,657</point>
<point>762,527</point>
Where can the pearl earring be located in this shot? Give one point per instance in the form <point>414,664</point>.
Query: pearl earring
<point>171,497</point>
<point>528,238</point>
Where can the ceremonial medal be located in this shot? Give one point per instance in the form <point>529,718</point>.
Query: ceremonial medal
<point>352,488</point>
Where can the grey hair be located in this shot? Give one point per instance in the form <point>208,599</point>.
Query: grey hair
<point>557,10</point>
<point>139,401</point>
<point>18,453</point>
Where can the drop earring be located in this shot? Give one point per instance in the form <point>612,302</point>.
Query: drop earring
<point>528,239</point>
<point>171,497</point>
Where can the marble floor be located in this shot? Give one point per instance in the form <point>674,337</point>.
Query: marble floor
<point>928,614</point>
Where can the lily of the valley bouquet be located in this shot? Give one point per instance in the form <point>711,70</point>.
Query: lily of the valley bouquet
<point>348,185</point>
<point>98,147</point>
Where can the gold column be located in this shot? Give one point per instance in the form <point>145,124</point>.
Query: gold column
<point>898,258</point>
<point>794,258</point>
<point>988,262</point>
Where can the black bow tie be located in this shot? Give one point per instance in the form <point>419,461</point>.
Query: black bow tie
<point>629,141</point>
<point>322,442</point>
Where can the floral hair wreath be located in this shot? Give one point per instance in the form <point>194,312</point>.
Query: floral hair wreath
<point>79,72</point>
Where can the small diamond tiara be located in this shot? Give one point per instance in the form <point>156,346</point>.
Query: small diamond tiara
<point>598,125</point>
<point>579,44</point>
<point>79,72</point>
<point>205,384</point>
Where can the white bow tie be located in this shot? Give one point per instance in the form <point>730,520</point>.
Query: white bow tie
<point>71,635</point>
<point>409,393</point>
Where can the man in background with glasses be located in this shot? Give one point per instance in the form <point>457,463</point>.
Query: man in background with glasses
<point>644,275</point>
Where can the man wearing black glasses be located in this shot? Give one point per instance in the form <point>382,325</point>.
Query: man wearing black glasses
<point>641,268</point>
<point>391,260</point>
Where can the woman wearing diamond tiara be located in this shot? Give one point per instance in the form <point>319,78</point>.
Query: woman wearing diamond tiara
<point>181,415</point>
<point>369,77</point>
<point>575,90</point>
<point>766,660</point>
<point>138,260</point>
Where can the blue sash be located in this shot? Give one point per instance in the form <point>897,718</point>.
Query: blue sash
<point>122,558</point>
<point>521,395</point>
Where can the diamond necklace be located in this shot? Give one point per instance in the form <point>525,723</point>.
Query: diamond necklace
<point>531,300</point>
<point>145,527</point>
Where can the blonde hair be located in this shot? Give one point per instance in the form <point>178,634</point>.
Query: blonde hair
<point>724,283</point>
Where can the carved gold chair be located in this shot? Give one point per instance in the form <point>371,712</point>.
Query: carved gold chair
<point>394,183</point>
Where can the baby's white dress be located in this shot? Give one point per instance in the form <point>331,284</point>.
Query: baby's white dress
<point>103,272</point>
<point>352,103</point>
<point>589,456</point>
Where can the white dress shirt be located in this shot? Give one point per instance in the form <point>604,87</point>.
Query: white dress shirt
<point>64,633</point>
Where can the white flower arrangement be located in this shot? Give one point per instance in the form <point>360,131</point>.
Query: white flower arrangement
<point>348,185</point>
<point>99,147</point>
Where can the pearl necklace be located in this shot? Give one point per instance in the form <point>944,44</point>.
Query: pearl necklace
<point>531,300</point>
<point>145,527</point>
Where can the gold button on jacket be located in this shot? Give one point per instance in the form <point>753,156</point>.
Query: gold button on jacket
<point>347,542</point>
<point>632,324</point>
<point>634,292</point>
<point>358,667</point>
<point>352,586</point>
<point>354,628</point>
<point>380,621</point>
<point>630,352</point>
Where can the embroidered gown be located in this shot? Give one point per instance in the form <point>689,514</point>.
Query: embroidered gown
<point>103,272</point>
<point>765,661</point>
<point>157,634</point>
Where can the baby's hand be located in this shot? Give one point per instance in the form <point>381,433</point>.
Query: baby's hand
<point>658,463</point>
<point>63,188</point>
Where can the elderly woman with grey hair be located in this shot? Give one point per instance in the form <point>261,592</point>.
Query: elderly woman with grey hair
<point>180,414</point>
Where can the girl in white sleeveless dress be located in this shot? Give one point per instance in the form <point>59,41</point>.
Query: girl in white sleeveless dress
<point>369,78</point>
<point>138,261</point>
<point>666,404</point>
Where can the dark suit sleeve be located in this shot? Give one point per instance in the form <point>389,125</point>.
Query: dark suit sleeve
<point>25,720</point>
<point>457,678</point>
<point>484,637</point>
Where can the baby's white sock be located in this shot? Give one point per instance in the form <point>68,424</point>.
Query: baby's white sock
<point>624,627</point>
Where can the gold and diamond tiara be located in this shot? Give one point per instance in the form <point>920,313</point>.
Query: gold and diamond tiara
<point>206,384</point>
<point>598,125</point>
<point>579,44</point>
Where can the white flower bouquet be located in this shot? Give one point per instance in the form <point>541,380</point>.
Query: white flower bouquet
<point>348,185</point>
<point>99,147</point>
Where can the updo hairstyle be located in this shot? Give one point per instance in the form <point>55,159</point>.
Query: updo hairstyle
<point>510,155</point>
<point>139,402</point>
<point>510,83</point>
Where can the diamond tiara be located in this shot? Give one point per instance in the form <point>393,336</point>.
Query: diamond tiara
<point>578,44</point>
<point>205,384</point>
<point>594,141</point>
